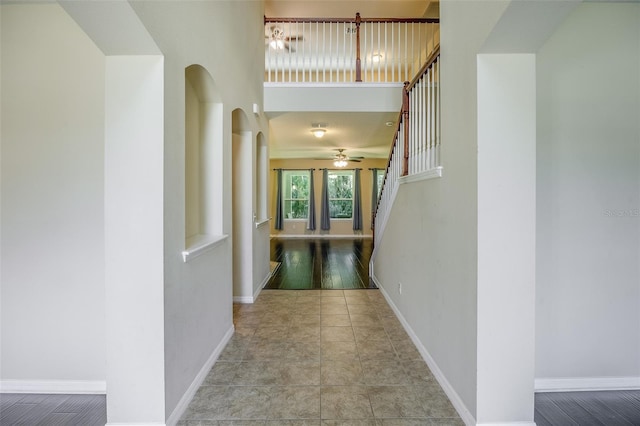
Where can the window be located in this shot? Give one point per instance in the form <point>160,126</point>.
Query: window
<point>380,177</point>
<point>340,194</point>
<point>296,194</point>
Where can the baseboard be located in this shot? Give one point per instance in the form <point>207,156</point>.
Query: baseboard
<point>243,299</point>
<point>455,399</point>
<point>54,386</point>
<point>576,384</point>
<point>136,424</point>
<point>183,404</point>
<point>507,424</point>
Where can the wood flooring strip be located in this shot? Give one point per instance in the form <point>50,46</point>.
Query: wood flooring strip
<point>577,413</point>
<point>621,405</point>
<point>551,412</point>
<point>599,410</point>
<point>58,419</point>
<point>43,408</point>
<point>14,413</point>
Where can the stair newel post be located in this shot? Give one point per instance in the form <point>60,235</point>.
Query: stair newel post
<point>358,66</point>
<point>405,121</point>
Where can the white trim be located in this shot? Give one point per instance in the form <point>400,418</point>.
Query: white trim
<point>54,386</point>
<point>328,236</point>
<point>455,399</point>
<point>429,174</point>
<point>564,384</point>
<point>508,424</point>
<point>200,244</point>
<point>262,222</point>
<point>243,299</point>
<point>135,424</point>
<point>183,404</point>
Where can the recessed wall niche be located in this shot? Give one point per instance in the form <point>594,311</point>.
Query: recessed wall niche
<point>203,157</point>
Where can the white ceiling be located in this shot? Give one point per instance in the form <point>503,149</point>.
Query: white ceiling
<point>360,133</point>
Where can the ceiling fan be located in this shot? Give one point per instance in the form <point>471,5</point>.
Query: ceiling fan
<point>341,159</point>
<point>277,39</point>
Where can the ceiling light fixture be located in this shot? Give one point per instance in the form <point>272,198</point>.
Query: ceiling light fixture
<point>340,163</point>
<point>276,44</point>
<point>376,57</point>
<point>318,129</point>
<point>318,133</point>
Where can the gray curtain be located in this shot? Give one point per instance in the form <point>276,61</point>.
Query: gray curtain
<point>357,203</point>
<point>325,224</point>
<point>374,194</point>
<point>311,221</point>
<point>279,216</point>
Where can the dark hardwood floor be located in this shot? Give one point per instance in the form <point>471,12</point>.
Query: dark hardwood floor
<point>603,408</point>
<point>321,263</point>
<point>49,410</point>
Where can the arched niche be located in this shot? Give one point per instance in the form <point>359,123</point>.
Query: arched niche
<point>203,157</point>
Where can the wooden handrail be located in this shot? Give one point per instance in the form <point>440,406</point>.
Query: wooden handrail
<point>430,60</point>
<point>353,20</point>
<point>405,116</point>
<point>403,120</point>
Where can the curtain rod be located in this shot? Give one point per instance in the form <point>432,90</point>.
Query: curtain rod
<point>295,169</point>
<point>357,168</point>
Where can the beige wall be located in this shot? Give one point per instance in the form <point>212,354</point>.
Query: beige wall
<point>338,227</point>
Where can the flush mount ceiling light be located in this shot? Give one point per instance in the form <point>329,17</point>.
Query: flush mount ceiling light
<point>389,123</point>
<point>318,130</point>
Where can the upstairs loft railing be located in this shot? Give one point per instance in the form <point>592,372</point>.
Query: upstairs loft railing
<point>415,149</point>
<point>346,50</point>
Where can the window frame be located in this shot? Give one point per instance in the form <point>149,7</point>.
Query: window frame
<point>351,174</point>
<point>287,177</point>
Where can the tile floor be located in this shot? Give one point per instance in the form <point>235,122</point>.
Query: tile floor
<point>319,357</point>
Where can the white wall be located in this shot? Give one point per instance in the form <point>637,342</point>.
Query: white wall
<point>506,237</point>
<point>198,294</point>
<point>133,239</point>
<point>435,257</point>
<point>588,278</point>
<point>53,301</point>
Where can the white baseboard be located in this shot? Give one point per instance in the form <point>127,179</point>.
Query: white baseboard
<point>455,399</point>
<point>183,404</point>
<point>256,293</point>
<point>508,424</point>
<point>575,384</point>
<point>54,386</point>
<point>135,424</point>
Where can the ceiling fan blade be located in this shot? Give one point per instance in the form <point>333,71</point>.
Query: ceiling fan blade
<point>355,161</point>
<point>292,38</point>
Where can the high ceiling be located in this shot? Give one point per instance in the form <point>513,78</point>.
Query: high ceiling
<point>365,134</point>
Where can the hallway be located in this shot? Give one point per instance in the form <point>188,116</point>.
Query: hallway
<point>320,357</point>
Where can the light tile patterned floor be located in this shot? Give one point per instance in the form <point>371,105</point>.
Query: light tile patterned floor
<point>319,357</point>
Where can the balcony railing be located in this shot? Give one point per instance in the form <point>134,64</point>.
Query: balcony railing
<point>415,149</point>
<point>324,50</point>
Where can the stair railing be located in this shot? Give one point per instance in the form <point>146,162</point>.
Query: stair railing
<point>346,50</point>
<point>415,148</point>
